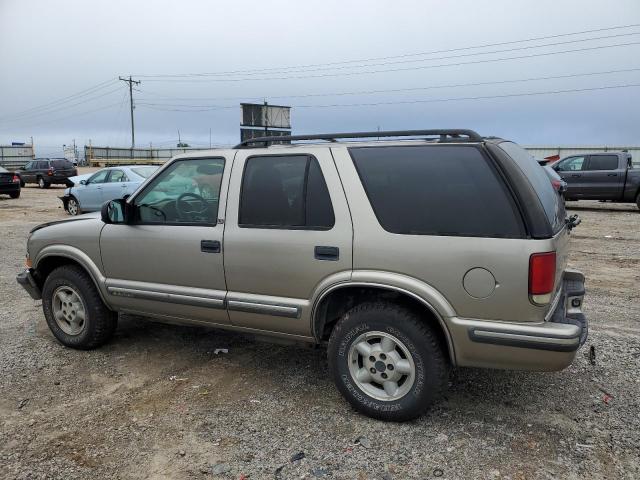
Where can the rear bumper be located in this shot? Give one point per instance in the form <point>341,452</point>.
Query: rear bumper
<point>9,187</point>
<point>549,345</point>
<point>26,280</point>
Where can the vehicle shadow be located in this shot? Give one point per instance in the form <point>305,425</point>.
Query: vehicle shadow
<point>494,389</point>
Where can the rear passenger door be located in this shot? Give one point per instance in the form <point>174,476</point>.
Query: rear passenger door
<point>116,186</point>
<point>601,177</point>
<point>288,228</point>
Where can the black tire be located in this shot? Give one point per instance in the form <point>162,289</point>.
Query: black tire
<point>42,183</point>
<point>100,323</point>
<point>22,184</point>
<point>431,368</point>
<point>15,194</point>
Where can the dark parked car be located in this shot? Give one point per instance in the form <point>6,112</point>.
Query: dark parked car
<point>600,176</point>
<point>9,183</point>
<point>47,171</point>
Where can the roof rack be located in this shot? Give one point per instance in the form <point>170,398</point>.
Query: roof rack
<point>444,134</point>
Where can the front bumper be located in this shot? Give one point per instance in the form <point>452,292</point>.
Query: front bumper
<point>65,201</point>
<point>26,280</point>
<point>548,345</point>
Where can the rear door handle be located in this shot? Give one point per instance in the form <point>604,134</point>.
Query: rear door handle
<point>612,174</point>
<point>576,175</point>
<point>210,246</point>
<point>326,253</point>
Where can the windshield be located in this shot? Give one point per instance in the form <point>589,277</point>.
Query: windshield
<point>551,201</point>
<point>145,172</point>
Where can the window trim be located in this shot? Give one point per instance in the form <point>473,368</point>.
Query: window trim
<point>495,170</point>
<point>159,172</point>
<point>310,157</point>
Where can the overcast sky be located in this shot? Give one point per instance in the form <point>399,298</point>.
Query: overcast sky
<point>59,64</point>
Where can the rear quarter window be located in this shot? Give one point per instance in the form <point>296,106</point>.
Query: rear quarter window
<point>437,190</point>
<point>551,201</point>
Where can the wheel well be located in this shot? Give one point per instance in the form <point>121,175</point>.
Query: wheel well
<point>49,264</point>
<point>338,302</point>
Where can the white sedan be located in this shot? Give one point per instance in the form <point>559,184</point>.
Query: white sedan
<point>90,191</point>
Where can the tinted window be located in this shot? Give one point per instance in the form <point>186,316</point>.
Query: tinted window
<point>571,164</point>
<point>42,165</point>
<point>285,192</point>
<point>186,192</point>
<point>117,176</point>
<point>603,162</point>
<point>436,190</point>
<point>551,201</point>
<point>61,164</point>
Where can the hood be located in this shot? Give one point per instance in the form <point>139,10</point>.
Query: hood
<point>85,216</point>
<point>76,180</point>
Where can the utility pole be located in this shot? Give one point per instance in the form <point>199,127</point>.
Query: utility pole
<point>130,81</point>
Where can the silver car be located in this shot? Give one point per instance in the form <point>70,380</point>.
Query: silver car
<point>90,191</point>
<point>405,257</point>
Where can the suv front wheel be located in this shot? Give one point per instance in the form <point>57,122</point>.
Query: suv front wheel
<point>386,361</point>
<point>74,310</point>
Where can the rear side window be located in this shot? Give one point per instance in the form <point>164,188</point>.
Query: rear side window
<point>61,164</point>
<point>286,192</point>
<point>551,201</point>
<point>603,162</point>
<point>436,190</point>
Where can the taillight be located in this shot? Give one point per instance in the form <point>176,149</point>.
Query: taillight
<point>542,275</point>
<point>16,179</point>
<point>50,172</point>
<point>556,184</point>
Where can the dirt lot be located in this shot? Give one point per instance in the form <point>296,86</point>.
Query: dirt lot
<point>160,401</point>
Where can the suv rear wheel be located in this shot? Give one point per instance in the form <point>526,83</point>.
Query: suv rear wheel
<point>42,183</point>
<point>74,310</point>
<point>386,361</point>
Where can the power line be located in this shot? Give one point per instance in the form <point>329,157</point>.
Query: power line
<point>483,97</point>
<point>438,100</point>
<point>82,93</point>
<point>418,67</point>
<point>50,110</point>
<point>272,69</point>
<point>394,90</point>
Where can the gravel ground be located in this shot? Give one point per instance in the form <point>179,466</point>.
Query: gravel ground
<point>161,402</point>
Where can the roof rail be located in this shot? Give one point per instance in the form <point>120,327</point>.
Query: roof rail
<point>444,134</point>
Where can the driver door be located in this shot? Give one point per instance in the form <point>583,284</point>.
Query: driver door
<point>90,194</point>
<point>168,262</point>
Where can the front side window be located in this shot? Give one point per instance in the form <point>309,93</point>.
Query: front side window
<point>571,164</point>
<point>436,190</point>
<point>186,192</point>
<point>603,162</point>
<point>99,177</point>
<point>286,192</point>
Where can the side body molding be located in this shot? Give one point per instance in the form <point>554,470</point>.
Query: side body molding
<point>424,293</point>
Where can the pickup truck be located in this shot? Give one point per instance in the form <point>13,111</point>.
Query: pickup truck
<point>600,176</point>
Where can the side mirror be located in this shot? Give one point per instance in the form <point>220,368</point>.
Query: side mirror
<point>83,182</point>
<point>115,211</point>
